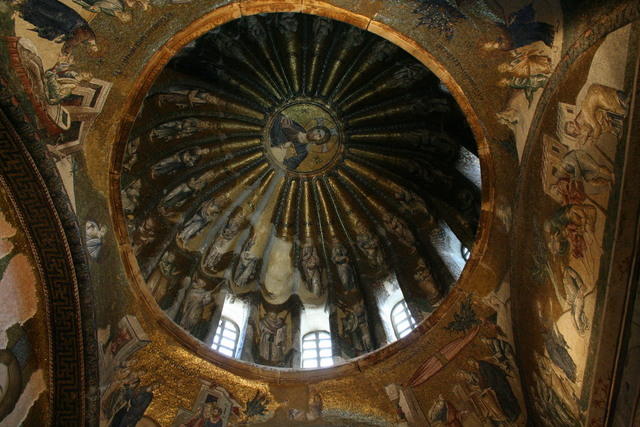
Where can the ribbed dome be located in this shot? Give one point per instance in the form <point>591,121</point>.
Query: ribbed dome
<point>305,174</point>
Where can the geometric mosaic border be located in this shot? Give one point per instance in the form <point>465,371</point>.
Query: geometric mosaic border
<point>56,241</point>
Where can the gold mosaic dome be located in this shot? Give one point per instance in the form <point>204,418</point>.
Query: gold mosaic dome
<point>291,175</point>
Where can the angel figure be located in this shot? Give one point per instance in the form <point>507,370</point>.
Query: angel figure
<point>131,154</point>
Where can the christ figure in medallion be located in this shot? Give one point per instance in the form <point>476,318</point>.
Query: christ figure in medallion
<point>295,139</point>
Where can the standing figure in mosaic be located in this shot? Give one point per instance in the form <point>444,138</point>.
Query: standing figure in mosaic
<point>371,247</point>
<point>146,234</point>
<point>311,269</point>
<point>558,351</point>
<point>427,284</point>
<point>131,197</point>
<point>340,257</point>
<point>163,277</point>
<point>354,327</point>
<point>549,405</point>
<point>195,300</point>
<point>131,154</point>
<point>272,338</point>
<point>137,399</point>
<point>219,246</point>
<point>246,266</point>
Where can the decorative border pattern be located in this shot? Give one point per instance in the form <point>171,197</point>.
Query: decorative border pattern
<point>55,239</point>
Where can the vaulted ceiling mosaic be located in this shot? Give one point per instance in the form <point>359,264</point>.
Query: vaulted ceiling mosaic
<point>291,162</point>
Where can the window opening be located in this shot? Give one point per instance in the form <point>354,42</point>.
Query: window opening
<point>402,320</point>
<point>466,253</point>
<point>317,350</point>
<point>226,339</point>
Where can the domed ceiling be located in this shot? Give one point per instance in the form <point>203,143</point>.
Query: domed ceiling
<point>295,174</point>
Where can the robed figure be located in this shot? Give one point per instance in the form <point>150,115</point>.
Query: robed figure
<point>209,416</point>
<point>58,22</point>
<point>137,401</point>
<point>293,137</point>
<point>246,268</point>
<point>311,269</point>
<point>199,220</point>
<point>495,378</point>
<point>272,338</point>
<point>194,303</point>
<point>492,391</point>
<point>346,274</point>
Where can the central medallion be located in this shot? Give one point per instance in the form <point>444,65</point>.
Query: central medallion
<point>303,137</point>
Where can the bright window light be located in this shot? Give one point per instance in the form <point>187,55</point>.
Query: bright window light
<point>227,336</point>
<point>317,350</point>
<point>466,253</point>
<point>402,320</point>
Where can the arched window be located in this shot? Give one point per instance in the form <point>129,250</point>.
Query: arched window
<point>465,252</point>
<point>402,320</point>
<point>227,336</point>
<point>316,350</point>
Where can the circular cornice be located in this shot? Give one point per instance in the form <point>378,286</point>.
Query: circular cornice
<point>142,86</point>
